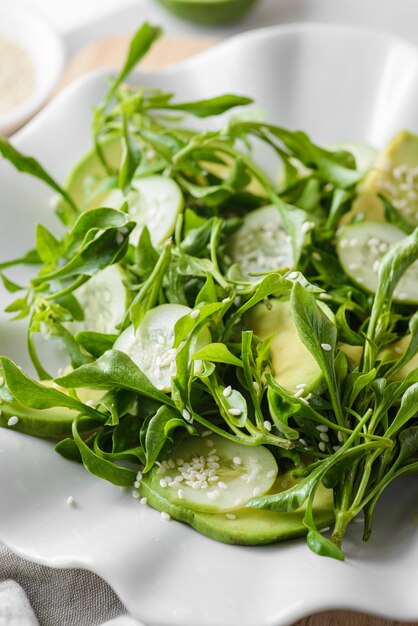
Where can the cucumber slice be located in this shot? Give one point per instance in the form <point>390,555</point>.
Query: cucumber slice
<point>395,351</point>
<point>151,347</point>
<point>361,248</point>
<point>395,175</point>
<point>261,244</point>
<point>364,155</point>
<point>246,526</point>
<point>154,201</point>
<point>293,365</point>
<point>104,299</point>
<point>213,474</point>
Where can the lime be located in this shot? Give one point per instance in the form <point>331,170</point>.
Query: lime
<point>209,12</point>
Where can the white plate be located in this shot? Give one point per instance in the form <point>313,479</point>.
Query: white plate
<point>337,84</point>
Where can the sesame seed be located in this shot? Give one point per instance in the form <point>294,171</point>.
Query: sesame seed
<point>235,412</point>
<point>307,226</point>
<point>340,436</point>
<point>222,485</point>
<point>227,391</point>
<point>163,483</point>
<point>322,446</point>
<point>231,516</point>
<point>326,529</point>
<point>267,425</point>
<point>336,448</point>
<point>136,495</point>
<point>12,421</point>
<point>316,256</point>
<point>237,460</point>
<point>1,381</point>
<point>195,314</point>
<point>300,386</point>
<point>358,520</point>
<point>324,437</point>
<point>137,484</point>
<point>271,474</point>
<point>299,393</point>
<point>213,495</point>
<point>326,346</point>
<point>71,501</point>
<point>256,386</point>
<point>225,300</point>
<point>322,428</point>
<point>292,276</point>
<point>143,501</point>
<point>303,442</point>
<point>186,415</point>
<point>165,516</point>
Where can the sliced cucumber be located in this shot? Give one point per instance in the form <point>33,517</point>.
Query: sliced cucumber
<point>154,201</point>
<point>261,244</point>
<point>365,156</point>
<point>293,365</point>
<point>213,474</point>
<point>361,248</point>
<point>395,351</point>
<point>151,346</point>
<point>395,175</point>
<point>245,526</point>
<point>104,299</point>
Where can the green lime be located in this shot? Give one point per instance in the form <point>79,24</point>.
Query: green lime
<point>209,12</point>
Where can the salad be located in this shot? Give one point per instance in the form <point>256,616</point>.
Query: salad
<point>239,350</point>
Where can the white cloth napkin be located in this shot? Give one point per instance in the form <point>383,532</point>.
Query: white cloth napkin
<point>34,595</point>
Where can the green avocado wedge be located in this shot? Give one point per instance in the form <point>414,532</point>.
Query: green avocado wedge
<point>209,12</point>
<point>247,527</point>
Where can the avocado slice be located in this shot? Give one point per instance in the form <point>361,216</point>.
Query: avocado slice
<point>90,167</point>
<point>246,526</point>
<point>395,175</point>
<point>292,362</point>
<point>209,12</point>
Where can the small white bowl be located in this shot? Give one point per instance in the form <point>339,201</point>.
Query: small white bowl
<point>27,27</point>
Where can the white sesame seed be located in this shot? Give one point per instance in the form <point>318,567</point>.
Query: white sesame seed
<point>71,501</point>
<point>231,516</point>
<point>299,393</point>
<point>322,428</point>
<point>137,484</point>
<point>186,415</point>
<point>324,437</point>
<point>225,300</point>
<point>322,446</point>
<point>163,483</point>
<point>1,381</point>
<point>143,501</point>
<point>194,314</point>
<point>165,516</point>
<point>213,495</point>
<point>340,436</point>
<point>300,386</point>
<point>336,448</point>
<point>222,485</point>
<point>326,346</point>
<point>136,495</point>
<point>307,226</point>
<point>303,442</point>
<point>267,425</point>
<point>326,529</point>
<point>235,412</point>
<point>12,421</point>
<point>292,276</point>
<point>358,520</point>
<point>316,256</point>
<point>256,386</point>
<point>227,391</point>
<point>271,473</point>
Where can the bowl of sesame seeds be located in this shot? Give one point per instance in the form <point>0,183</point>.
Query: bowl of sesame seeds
<point>31,61</point>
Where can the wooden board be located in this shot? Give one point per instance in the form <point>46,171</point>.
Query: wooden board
<point>111,53</point>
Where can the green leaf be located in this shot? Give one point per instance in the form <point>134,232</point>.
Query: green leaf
<point>36,396</point>
<point>47,246</point>
<point>95,343</point>
<point>113,369</point>
<point>29,165</point>
<point>100,467</point>
<point>208,292</point>
<point>159,431</point>
<point>217,353</point>
<point>407,410</point>
<point>141,42</point>
<point>210,107</point>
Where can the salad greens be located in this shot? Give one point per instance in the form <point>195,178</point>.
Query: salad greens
<point>240,351</point>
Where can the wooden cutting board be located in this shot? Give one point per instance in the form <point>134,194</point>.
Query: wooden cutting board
<point>111,53</point>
